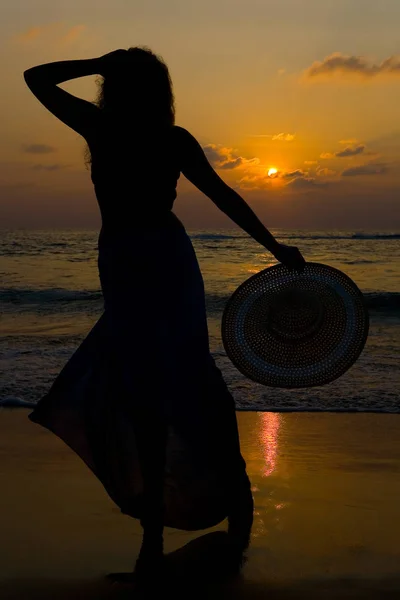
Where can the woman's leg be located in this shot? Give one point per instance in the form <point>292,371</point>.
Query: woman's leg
<point>151,437</point>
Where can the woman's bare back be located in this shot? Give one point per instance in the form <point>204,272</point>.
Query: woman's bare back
<point>135,173</point>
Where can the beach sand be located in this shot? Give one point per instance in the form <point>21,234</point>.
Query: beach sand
<point>326,489</point>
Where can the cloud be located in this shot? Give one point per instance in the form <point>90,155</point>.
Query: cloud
<point>225,158</point>
<point>353,65</point>
<point>346,152</point>
<point>325,172</point>
<point>291,174</point>
<point>65,35</point>
<point>38,149</point>
<point>73,33</point>
<point>262,181</point>
<point>367,169</point>
<point>310,162</point>
<point>350,151</point>
<point>54,167</point>
<point>297,179</point>
<point>232,164</point>
<point>284,137</point>
<point>276,137</point>
<point>301,180</point>
<point>304,183</point>
<point>30,34</point>
<point>254,182</point>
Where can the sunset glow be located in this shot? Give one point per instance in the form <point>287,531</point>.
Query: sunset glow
<point>340,171</point>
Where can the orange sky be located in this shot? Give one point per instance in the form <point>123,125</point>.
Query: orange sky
<point>311,91</point>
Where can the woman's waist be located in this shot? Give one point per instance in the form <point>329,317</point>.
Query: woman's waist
<point>141,222</point>
<point>143,228</point>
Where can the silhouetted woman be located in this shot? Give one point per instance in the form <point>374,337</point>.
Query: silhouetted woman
<point>142,401</point>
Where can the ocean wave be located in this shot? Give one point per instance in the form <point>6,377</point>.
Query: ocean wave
<point>383,301</point>
<point>47,296</point>
<point>354,236</point>
<point>85,249</point>
<point>293,235</point>
<point>257,406</point>
<point>281,235</point>
<point>379,236</point>
<point>215,236</point>
<point>376,301</point>
<point>360,261</point>
<point>16,403</point>
<point>313,237</point>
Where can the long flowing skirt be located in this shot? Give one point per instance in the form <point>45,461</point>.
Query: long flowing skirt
<point>149,355</point>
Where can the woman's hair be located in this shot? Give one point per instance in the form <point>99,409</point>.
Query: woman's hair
<point>138,92</point>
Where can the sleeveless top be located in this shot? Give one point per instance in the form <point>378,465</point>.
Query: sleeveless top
<point>135,173</point>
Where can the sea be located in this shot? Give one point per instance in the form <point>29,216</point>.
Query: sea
<point>50,298</point>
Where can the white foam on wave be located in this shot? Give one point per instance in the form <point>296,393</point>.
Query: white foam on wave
<point>15,402</point>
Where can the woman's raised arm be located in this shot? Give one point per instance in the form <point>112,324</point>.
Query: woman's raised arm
<point>75,112</point>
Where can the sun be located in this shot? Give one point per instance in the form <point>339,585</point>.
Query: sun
<point>272,171</point>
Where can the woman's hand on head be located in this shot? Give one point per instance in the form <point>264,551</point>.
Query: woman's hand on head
<point>112,60</point>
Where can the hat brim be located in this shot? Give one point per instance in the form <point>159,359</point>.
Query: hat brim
<point>290,330</point>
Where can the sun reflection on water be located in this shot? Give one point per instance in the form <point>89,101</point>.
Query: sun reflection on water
<point>269,434</point>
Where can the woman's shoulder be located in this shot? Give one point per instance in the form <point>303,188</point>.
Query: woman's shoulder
<point>177,129</point>
<point>179,132</point>
<point>184,138</point>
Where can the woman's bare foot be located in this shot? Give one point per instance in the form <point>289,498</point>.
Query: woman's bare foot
<point>146,574</point>
<point>148,568</point>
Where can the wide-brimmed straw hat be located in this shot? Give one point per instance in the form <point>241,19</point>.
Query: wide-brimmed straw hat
<point>292,329</point>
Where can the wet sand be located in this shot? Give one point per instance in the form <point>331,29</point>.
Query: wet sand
<point>326,489</point>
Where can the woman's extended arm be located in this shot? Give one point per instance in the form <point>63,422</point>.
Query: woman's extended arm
<point>74,112</point>
<point>199,171</point>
